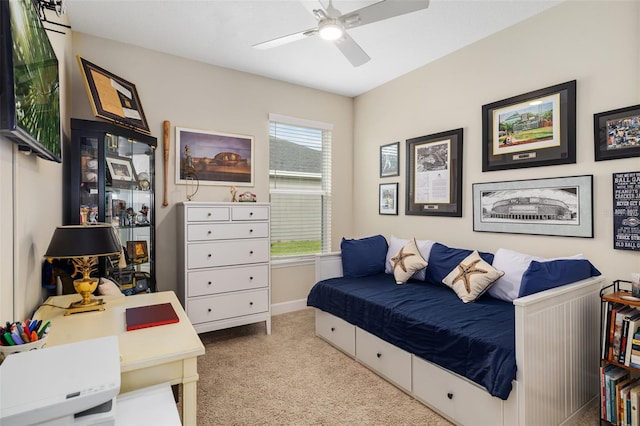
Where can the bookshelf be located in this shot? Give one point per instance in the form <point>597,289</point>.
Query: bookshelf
<point>619,371</point>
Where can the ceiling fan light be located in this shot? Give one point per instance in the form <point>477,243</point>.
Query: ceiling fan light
<point>330,30</point>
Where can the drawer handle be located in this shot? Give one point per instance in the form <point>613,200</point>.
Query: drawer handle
<point>209,310</point>
<point>251,252</point>
<point>379,355</point>
<point>209,255</point>
<point>208,232</point>
<point>250,213</point>
<point>250,278</point>
<point>450,395</point>
<point>209,283</point>
<point>250,231</point>
<point>250,303</point>
<point>209,214</point>
<point>333,329</point>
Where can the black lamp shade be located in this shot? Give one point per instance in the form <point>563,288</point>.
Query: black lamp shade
<point>83,240</point>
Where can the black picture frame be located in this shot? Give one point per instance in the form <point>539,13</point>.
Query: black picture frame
<point>388,199</point>
<point>113,98</point>
<point>626,220</point>
<point>561,206</point>
<point>521,131</point>
<point>390,160</point>
<point>121,172</point>
<point>434,174</point>
<point>616,133</point>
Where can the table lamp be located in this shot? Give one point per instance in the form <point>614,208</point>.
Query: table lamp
<point>83,244</point>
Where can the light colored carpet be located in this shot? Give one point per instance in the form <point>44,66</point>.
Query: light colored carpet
<point>293,377</point>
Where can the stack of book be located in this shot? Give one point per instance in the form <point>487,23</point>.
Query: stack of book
<point>620,337</point>
<point>620,393</point>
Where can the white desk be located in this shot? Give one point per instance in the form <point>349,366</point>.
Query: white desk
<point>149,356</point>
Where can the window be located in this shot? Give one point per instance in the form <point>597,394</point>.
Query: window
<point>299,186</point>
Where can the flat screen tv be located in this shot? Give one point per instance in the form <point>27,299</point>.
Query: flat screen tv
<point>29,83</point>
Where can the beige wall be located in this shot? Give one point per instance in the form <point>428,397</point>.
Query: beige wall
<point>196,95</point>
<point>592,42</point>
<point>30,208</point>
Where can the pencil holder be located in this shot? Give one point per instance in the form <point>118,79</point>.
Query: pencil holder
<point>5,351</point>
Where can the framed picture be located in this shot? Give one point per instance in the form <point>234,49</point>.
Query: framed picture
<point>113,98</point>
<point>214,158</point>
<point>552,206</point>
<point>626,219</point>
<point>388,198</point>
<point>434,174</point>
<point>616,133</point>
<point>534,129</point>
<point>390,160</point>
<point>121,172</point>
<point>137,251</point>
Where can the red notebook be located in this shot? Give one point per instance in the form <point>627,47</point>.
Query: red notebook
<point>150,316</point>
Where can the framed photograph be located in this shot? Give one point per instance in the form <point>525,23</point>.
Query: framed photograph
<point>137,251</point>
<point>388,198</point>
<point>121,172</point>
<point>113,98</point>
<point>434,174</point>
<point>626,219</point>
<point>214,158</point>
<point>616,133</point>
<point>552,206</point>
<point>534,129</point>
<point>390,160</point>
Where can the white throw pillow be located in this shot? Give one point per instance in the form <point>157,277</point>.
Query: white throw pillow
<point>514,265</point>
<point>407,261</point>
<point>471,278</point>
<point>395,244</point>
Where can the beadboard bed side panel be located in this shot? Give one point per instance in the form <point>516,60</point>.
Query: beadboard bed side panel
<point>557,351</point>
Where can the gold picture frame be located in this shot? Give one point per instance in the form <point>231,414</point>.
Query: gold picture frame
<point>113,98</point>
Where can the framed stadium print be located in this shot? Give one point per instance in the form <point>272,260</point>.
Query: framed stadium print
<point>553,206</point>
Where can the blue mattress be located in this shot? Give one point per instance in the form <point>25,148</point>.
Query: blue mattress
<point>475,340</point>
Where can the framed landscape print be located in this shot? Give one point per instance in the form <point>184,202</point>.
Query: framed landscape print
<point>616,133</point>
<point>215,158</point>
<point>113,98</point>
<point>388,198</point>
<point>553,206</point>
<point>434,174</point>
<point>390,160</point>
<point>529,130</point>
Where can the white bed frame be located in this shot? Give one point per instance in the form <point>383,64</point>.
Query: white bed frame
<point>557,341</point>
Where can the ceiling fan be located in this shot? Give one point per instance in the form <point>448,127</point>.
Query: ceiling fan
<point>332,26</point>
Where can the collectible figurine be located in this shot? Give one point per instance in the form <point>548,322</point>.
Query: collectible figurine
<point>144,212</point>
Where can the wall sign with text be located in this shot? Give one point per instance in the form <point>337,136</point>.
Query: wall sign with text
<point>626,206</point>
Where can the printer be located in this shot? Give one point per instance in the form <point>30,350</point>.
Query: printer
<point>73,384</point>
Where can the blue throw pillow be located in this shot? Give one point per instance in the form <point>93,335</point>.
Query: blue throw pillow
<point>443,260</point>
<point>555,273</point>
<point>363,257</point>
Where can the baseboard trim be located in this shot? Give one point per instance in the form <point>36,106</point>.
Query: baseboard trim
<point>291,306</point>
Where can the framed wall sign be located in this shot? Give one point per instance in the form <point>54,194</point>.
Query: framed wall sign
<point>553,206</point>
<point>388,198</point>
<point>434,174</point>
<point>616,133</point>
<point>390,160</point>
<point>113,98</point>
<point>533,129</point>
<point>215,158</point>
<point>626,205</point>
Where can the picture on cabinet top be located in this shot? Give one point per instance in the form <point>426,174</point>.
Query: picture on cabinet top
<point>213,158</point>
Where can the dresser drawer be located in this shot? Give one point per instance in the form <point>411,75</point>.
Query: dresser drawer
<point>227,253</point>
<point>226,306</point>
<point>462,401</point>
<point>249,213</point>
<point>207,214</point>
<point>386,359</point>
<point>222,280</point>
<point>336,331</point>
<point>226,231</point>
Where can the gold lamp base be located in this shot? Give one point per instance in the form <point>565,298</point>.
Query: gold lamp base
<point>85,286</point>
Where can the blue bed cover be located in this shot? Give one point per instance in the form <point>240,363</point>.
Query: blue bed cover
<point>475,340</point>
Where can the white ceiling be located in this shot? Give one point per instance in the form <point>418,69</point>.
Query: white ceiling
<point>222,32</point>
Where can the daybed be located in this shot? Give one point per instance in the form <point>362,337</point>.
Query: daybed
<point>460,358</point>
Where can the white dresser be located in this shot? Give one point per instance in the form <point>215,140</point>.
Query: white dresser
<point>224,266</point>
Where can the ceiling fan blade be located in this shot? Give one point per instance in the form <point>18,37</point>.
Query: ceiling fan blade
<point>286,39</point>
<point>382,10</point>
<point>352,50</point>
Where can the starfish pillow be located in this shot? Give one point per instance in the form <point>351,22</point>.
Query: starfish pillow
<point>407,261</point>
<point>472,277</point>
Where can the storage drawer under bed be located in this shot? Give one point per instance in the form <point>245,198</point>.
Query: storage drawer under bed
<point>336,331</point>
